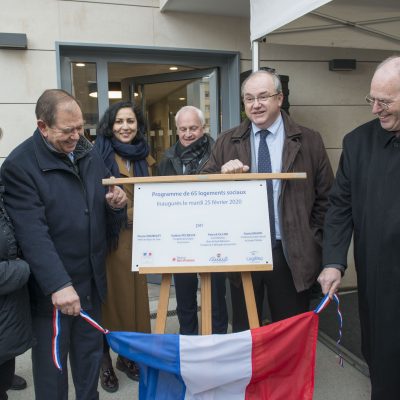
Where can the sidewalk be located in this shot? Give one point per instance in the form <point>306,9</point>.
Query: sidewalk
<point>332,382</point>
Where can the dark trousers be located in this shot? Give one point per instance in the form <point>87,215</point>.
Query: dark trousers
<point>283,299</point>
<point>7,370</point>
<point>186,299</point>
<point>79,342</point>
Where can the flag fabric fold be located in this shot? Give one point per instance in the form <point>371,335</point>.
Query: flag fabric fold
<point>273,362</point>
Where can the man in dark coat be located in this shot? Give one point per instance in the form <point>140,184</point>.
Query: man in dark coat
<point>186,157</point>
<point>297,207</point>
<point>365,200</point>
<point>59,208</point>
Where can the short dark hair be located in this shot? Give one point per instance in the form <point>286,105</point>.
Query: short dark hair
<point>46,106</point>
<point>105,126</point>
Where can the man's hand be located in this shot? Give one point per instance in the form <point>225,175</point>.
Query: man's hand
<point>116,197</point>
<point>234,167</point>
<point>329,279</point>
<point>67,301</point>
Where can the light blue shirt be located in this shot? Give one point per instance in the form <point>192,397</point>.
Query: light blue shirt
<point>275,142</point>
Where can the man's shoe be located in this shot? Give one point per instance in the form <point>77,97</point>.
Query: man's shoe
<point>108,380</point>
<point>18,383</point>
<point>129,367</point>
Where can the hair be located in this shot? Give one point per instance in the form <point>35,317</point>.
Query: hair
<point>191,109</point>
<point>270,72</point>
<point>48,102</point>
<point>390,59</point>
<point>105,126</point>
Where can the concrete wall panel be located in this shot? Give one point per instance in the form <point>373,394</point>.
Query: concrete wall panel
<point>333,122</point>
<point>38,19</point>
<point>17,122</point>
<point>106,23</point>
<point>26,75</point>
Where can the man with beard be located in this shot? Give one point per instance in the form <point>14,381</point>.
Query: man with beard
<point>187,157</point>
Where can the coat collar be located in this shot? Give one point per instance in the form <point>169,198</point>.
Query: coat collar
<point>48,158</point>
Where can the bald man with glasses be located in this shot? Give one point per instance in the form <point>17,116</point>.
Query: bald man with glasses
<point>365,200</point>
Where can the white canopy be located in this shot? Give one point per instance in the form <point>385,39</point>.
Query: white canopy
<point>268,15</point>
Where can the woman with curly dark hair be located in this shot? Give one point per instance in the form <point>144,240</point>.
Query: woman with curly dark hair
<point>122,144</point>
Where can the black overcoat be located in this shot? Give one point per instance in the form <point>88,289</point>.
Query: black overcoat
<point>59,218</point>
<point>366,198</point>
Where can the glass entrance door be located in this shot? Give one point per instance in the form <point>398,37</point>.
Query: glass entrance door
<point>160,96</point>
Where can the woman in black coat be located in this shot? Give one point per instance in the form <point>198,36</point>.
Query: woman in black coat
<point>15,318</point>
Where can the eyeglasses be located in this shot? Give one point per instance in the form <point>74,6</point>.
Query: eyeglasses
<point>69,130</point>
<point>261,99</point>
<point>383,104</point>
<point>191,129</point>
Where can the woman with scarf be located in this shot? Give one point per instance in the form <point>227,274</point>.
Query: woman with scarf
<point>121,142</point>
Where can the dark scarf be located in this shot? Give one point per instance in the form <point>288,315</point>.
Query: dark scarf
<point>137,151</point>
<point>192,155</point>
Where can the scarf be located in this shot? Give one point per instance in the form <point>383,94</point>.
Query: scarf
<point>137,151</point>
<point>192,155</point>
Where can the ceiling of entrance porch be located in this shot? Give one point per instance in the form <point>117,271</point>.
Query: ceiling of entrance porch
<point>365,24</point>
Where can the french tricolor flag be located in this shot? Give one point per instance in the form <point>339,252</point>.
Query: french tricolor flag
<point>274,362</point>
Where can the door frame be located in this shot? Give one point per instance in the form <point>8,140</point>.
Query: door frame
<point>227,62</point>
<point>126,85</point>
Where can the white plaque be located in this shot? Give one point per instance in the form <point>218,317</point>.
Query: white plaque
<point>201,224</point>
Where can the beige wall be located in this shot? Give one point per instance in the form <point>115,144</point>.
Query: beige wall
<point>331,102</point>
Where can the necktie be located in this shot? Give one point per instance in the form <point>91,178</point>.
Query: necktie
<point>264,165</point>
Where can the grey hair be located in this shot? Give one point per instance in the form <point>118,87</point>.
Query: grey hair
<point>192,109</point>
<point>274,75</point>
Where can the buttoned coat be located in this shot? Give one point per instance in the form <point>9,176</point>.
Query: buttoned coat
<point>302,203</point>
<point>59,218</point>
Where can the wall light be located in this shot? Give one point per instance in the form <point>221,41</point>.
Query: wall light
<point>342,64</point>
<point>16,41</point>
<point>173,68</point>
<point>114,90</point>
<point>80,64</point>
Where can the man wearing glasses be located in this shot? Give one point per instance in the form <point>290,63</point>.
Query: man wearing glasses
<point>365,199</point>
<point>61,213</point>
<point>270,141</point>
<point>186,157</point>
